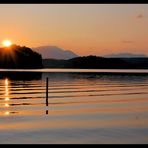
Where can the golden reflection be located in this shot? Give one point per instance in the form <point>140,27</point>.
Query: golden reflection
<point>6,81</point>
<point>7,113</point>
<point>7,99</point>
<point>6,105</point>
<point>6,94</point>
<point>6,88</point>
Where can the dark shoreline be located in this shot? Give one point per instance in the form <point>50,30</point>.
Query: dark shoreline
<point>21,75</point>
<point>95,62</point>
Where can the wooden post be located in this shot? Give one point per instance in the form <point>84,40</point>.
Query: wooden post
<point>47,91</point>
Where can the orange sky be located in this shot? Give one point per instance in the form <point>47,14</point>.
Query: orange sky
<point>85,29</point>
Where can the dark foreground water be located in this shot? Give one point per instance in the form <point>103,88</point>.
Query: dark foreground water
<point>83,107</point>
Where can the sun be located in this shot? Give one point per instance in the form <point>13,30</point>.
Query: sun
<point>7,43</point>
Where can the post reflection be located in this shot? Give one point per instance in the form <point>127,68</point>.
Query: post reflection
<point>46,106</point>
<point>46,112</point>
<point>7,98</point>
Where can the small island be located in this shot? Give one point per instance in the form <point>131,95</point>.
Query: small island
<point>19,57</point>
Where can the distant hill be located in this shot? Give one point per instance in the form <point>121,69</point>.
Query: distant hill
<point>125,55</point>
<point>54,52</point>
<point>94,62</point>
<point>18,57</point>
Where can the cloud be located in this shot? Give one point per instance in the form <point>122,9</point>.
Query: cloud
<point>127,42</point>
<point>140,16</point>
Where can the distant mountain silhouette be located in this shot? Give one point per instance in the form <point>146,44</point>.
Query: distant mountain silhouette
<point>54,52</point>
<point>125,55</point>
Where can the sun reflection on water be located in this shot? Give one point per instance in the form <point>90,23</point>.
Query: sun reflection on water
<point>7,99</point>
<point>7,95</point>
<point>6,105</point>
<point>7,113</point>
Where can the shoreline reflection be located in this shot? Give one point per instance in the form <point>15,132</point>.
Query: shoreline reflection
<point>20,76</point>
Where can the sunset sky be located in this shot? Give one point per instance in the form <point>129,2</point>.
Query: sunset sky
<point>95,29</point>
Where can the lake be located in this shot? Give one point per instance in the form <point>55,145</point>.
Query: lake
<point>84,106</point>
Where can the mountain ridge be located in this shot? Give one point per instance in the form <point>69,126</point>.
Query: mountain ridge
<point>124,55</point>
<point>54,52</point>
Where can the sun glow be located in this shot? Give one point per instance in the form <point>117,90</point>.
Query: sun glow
<point>7,43</point>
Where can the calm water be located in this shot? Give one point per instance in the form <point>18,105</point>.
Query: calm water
<point>84,107</point>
